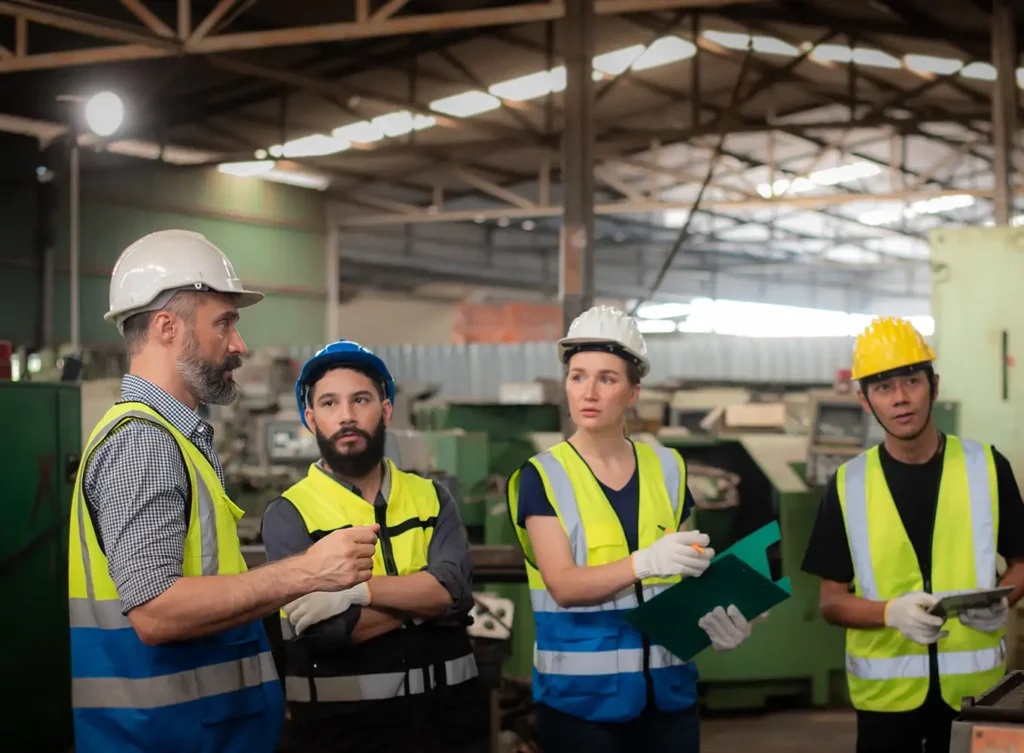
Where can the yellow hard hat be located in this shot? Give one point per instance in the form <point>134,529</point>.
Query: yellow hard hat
<point>888,343</point>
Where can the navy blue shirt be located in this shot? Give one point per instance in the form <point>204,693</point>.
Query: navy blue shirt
<point>533,500</point>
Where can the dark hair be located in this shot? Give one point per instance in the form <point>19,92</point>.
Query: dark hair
<point>359,368</point>
<point>136,327</point>
<point>632,373</point>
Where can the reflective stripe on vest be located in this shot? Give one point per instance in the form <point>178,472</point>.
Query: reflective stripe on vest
<point>969,661</point>
<point>114,672</point>
<point>585,664</point>
<point>378,687</point>
<point>172,689</point>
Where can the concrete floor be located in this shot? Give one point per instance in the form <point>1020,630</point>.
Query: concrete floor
<point>780,732</point>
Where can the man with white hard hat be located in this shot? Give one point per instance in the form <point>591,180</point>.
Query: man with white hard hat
<point>168,651</point>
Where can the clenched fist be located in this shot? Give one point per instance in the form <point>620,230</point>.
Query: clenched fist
<point>343,559</point>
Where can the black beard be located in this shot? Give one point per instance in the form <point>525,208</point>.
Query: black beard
<point>353,465</point>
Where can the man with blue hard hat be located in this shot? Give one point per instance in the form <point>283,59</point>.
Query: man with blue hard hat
<point>386,665</point>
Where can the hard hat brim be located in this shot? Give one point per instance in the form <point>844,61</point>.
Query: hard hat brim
<point>567,344</point>
<point>241,298</point>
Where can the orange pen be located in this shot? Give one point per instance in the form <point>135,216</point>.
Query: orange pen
<point>698,547</point>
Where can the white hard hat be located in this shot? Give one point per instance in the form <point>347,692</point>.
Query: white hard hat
<point>609,327</point>
<point>151,270</point>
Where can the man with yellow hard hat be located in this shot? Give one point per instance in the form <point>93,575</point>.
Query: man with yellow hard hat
<point>920,514</point>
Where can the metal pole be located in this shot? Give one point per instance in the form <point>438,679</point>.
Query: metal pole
<point>576,268</point>
<point>332,327</point>
<point>1004,106</point>
<point>73,243</point>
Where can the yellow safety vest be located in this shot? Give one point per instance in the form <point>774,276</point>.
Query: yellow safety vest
<point>406,529</point>
<point>885,671</point>
<point>228,678</point>
<point>588,661</point>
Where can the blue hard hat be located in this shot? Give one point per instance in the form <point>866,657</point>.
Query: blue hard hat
<point>338,354</point>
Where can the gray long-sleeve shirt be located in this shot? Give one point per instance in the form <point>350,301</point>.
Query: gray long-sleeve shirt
<point>448,558</point>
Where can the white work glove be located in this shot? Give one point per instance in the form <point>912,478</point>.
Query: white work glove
<point>727,628</point>
<point>318,606</point>
<point>986,619</point>
<point>907,614</point>
<point>673,554</point>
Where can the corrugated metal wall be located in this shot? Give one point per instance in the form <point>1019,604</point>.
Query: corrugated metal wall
<point>478,370</point>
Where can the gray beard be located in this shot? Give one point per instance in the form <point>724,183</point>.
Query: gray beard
<point>206,381</point>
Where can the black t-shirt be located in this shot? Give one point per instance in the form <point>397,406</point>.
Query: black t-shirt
<point>915,490</point>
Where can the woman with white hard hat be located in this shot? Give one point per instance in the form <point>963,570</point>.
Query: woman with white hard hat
<point>598,517</point>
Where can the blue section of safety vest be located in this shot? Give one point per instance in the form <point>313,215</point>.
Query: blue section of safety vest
<point>244,721</point>
<point>120,653</point>
<point>605,698</point>
<point>599,698</point>
<point>249,721</point>
<point>585,631</point>
<point>675,688</point>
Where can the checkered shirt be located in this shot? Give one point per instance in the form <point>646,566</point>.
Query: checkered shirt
<point>139,496</point>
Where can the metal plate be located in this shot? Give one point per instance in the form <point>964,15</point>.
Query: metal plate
<point>997,740</point>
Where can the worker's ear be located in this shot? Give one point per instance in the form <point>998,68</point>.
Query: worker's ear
<point>387,409</point>
<point>164,326</point>
<point>310,422</point>
<point>864,402</point>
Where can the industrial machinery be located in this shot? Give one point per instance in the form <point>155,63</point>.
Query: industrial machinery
<point>994,721</point>
<point>41,456</point>
<point>769,470</point>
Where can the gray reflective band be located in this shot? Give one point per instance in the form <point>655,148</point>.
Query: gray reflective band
<point>568,510</point>
<point>542,600</point>
<point>670,473</point>
<point>206,510</point>
<point>87,613</point>
<point>916,666</point>
<point>982,524</point>
<point>593,663</point>
<point>377,687</point>
<point>855,512</point>
<point>589,663</point>
<point>169,690</point>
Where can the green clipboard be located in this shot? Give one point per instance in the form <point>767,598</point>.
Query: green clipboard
<point>740,575</point>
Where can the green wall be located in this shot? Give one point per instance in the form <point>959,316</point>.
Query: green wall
<point>273,234</point>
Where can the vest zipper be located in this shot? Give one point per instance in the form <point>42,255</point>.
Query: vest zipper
<point>380,515</point>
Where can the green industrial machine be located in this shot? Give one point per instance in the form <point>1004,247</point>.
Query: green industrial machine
<point>482,444</point>
<point>793,654</point>
<point>41,451</point>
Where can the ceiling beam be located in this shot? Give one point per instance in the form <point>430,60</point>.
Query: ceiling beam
<point>138,43</point>
<point>642,207</point>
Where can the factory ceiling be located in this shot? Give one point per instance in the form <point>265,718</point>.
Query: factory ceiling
<point>832,135</point>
